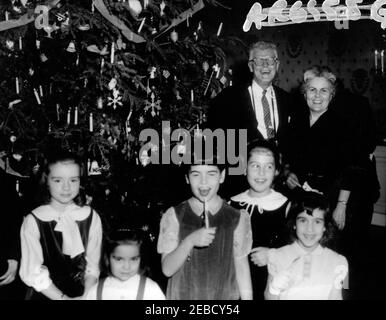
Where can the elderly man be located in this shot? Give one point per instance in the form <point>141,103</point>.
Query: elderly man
<point>260,107</point>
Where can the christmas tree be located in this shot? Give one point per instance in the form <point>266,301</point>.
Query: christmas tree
<point>89,76</point>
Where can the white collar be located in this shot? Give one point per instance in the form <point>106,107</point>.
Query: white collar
<point>49,213</point>
<point>66,224</point>
<point>259,90</point>
<point>272,201</point>
<point>303,252</point>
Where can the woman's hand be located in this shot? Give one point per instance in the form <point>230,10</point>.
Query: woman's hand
<point>259,256</point>
<point>292,181</point>
<point>10,274</point>
<point>339,215</point>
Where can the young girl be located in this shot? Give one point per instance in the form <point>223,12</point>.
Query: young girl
<point>205,243</point>
<point>61,240</point>
<point>124,257</point>
<point>307,269</point>
<point>266,208</point>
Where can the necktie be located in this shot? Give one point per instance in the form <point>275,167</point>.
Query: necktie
<point>267,115</point>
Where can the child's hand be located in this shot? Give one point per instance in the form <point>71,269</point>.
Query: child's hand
<point>202,237</point>
<point>292,181</point>
<point>259,256</point>
<point>281,281</point>
<point>10,274</point>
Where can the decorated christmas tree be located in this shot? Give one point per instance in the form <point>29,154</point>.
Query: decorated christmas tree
<point>89,76</point>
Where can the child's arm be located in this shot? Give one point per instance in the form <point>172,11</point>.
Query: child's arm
<point>267,294</point>
<point>173,261</point>
<point>341,271</point>
<point>242,244</point>
<point>93,253</point>
<point>32,271</point>
<point>243,278</point>
<point>175,252</point>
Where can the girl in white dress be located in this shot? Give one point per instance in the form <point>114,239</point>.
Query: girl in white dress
<point>126,279</point>
<point>307,269</point>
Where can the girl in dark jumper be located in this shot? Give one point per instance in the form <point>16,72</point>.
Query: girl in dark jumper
<point>61,240</point>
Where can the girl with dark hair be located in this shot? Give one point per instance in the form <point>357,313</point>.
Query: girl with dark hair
<point>307,269</point>
<point>126,267</point>
<point>61,239</point>
<point>266,208</point>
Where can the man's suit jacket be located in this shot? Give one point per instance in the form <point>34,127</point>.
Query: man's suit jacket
<point>232,109</point>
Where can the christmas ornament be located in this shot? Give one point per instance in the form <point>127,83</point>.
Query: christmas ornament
<point>174,36</point>
<point>94,169</point>
<point>154,105</point>
<point>17,85</point>
<point>115,100</point>
<point>10,44</point>
<point>50,28</point>
<point>205,66</point>
<point>141,25</point>
<point>43,58</point>
<point>144,158</point>
<point>11,104</point>
<point>219,29</point>
<point>71,47</point>
<point>100,103</point>
<point>162,7</point>
<point>84,27</point>
<point>120,44</point>
<point>166,73</point>
<point>91,123</point>
<point>112,53</point>
<point>95,49</point>
<point>135,7</point>
<point>128,128</point>
<point>112,84</point>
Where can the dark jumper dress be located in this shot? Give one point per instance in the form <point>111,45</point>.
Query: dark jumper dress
<point>268,230</point>
<point>67,274</point>
<point>209,273</point>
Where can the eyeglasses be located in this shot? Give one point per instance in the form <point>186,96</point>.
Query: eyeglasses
<point>259,62</point>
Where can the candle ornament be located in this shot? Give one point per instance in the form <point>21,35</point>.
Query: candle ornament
<point>17,85</point>
<point>37,96</point>
<point>76,116</point>
<point>219,29</point>
<point>91,123</point>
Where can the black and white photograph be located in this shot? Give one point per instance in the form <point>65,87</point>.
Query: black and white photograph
<point>192,153</point>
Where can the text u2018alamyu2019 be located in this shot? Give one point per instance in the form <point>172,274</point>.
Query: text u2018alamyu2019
<point>193,309</point>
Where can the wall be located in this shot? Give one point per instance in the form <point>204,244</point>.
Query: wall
<point>349,53</point>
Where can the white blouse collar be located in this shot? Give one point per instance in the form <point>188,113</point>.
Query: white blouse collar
<point>270,202</point>
<point>302,252</point>
<point>49,213</point>
<point>66,224</point>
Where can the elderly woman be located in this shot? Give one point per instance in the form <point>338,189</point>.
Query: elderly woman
<point>320,149</point>
<point>329,150</point>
